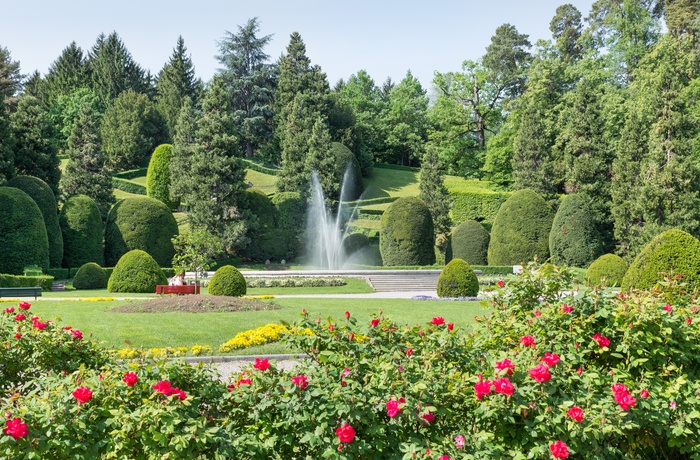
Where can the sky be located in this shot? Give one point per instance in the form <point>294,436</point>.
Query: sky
<point>385,38</point>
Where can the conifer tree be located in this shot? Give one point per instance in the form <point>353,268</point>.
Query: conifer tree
<point>181,179</point>
<point>10,76</point>
<point>66,74</point>
<point>7,157</point>
<point>435,195</point>
<point>294,175</point>
<point>113,70</point>
<point>320,159</point>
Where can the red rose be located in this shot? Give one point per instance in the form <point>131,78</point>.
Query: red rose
<point>551,359</point>
<point>18,336</point>
<point>501,283</point>
<point>625,401</point>
<point>130,378</point>
<point>77,335</point>
<point>10,310</point>
<point>538,314</point>
<point>579,371</point>
<point>444,457</point>
<point>300,381</point>
<point>347,315</point>
<point>82,394</point>
<point>503,386</point>
<point>482,388</point>
<point>527,341</point>
<point>409,351</point>
<point>345,372</point>
<point>619,388</point>
<point>450,326</point>
<point>575,413</point>
<point>505,365</point>
<point>39,325</point>
<point>438,320</point>
<point>559,450</point>
<point>375,322</point>
<point>19,317</point>
<point>428,418</point>
<point>68,328</point>
<point>24,305</point>
<point>668,308</point>
<point>644,394</point>
<point>540,373</point>
<point>392,408</point>
<point>163,387</point>
<point>16,428</point>
<point>244,382</point>
<point>602,341</point>
<point>345,433</point>
<point>351,336</point>
<point>688,321</point>
<point>331,327</point>
<point>261,364</point>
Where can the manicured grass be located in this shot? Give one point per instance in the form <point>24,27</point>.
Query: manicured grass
<point>264,182</point>
<point>121,194</point>
<point>141,180</point>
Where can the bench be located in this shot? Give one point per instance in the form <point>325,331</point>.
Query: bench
<point>179,290</point>
<point>21,292</point>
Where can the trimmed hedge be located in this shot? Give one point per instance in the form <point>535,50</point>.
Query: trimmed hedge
<point>140,223</point>
<point>259,168</point>
<point>90,276</point>
<point>128,186</point>
<point>23,235</point>
<point>81,226</point>
<point>469,242</point>
<point>344,158</point>
<point>520,231</point>
<point>481,207</point>
<point>354,242</point>
<point>59,273</point>
<point>45,282</point>
<point>131,174</point>
<point>43,196</point>
<point>574,239</point>
<point>457,280</point>
<point>137,272</point>
<point>494,269</point>
<point>673,251</point>
<point>291,218</point>
<point>158,175</point>
<point>407,234</point>
<point>227,281</point>
<point>397,167</point>
<point>608,269</point>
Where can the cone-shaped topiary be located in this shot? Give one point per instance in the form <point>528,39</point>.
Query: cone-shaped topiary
<point>608,270</point>
<point>43,196</point>
<point>227,281</point>
<point>457,280</point>
<point>346,161</point>
<point>407,235</point>
<point>673,251</point>
<point>469,242</point>
<point>521,230</point>
<point>574,239</point>
<point>136,271</point>
<point>22,233</point>
<point>81,226</point>
<point>140,223</point>
<point>90,276</point>
<point>158,175</point>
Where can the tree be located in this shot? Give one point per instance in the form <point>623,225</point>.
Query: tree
<point>294,175</point>
<point>64,112</point>
<point>196,250</point>
<point>181,180</point>
<point>566,30</point>
<point>319,159</point>
<point>113,70</point>
<point>682,16</point>
<point>10,76</point>
<point>435,195</point>
<point>7,157</point>
<point>66,74</point>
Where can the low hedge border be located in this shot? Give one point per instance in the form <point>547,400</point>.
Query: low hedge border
<point>59,273</point>
<point>132,173</point>
<point>128,186</point>
<point>45,282</point>
<point>380,200</point>
<point>294,282</point>
<point>399,167</point>
<point>259,168</point>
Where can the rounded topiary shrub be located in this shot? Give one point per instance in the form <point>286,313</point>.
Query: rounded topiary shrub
<point>90,276</point>
<point>22,233</point>
<point>227,281</point>
<point>520,230</point>
<point>81,226</point>
<point>140,223</point>
<point>457,280</point>
<point>43,196</point>
<point>345,161</point>
<point>354,242</point>
<point>158,175</point>
<point>469,242</point>
<point>136,271</point>
<point>673,251</point>
<point>574,239</point>
<point>608,270</point>
<point>407,234</point>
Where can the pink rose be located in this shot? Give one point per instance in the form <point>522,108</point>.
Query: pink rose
<point>10,310</point>
<point>428,417</point>
<point>375,322</point>
<point>438,320</point>
<point>16,428</point>
<point>503,386</point>
<point>130,378</point>
<point>24,305</point>
<point>506,365</point>
<point>482,388</point>
<point>602,341</point>
<point>559,450</point>
<point>644,394</point>
<point>345,433</point>
<point>392,408</point>
<point>501,283</point>
<point>540,373</point>
<point>459,441</point>
<point>77,335</point>
<point>527,341</point>
<point>301,381</point>
<point>20,317</point>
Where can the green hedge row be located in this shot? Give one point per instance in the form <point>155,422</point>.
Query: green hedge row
<point>380,200</point>
<point>59,273</point>
<point>494,270</point>
<point>128,186</point>
<point>131,174</point>
<point>481,207</point>
<point>45,282</point>
<point>399,167</point>
<point>259,168</point>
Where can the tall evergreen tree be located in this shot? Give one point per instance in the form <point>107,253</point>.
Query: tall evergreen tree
<point>64,112</point>
<point>184,143</point>
<point>34,85</point>
<point>294,175</point>
<point>10,76</point>
<point>7,157</point>
<point>566,27</point>
<point>320,160</point>
<point>66,74</point>
<point>435,195</point>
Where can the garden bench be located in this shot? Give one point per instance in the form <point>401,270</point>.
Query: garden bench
<point>21,292</point>
<point>179,290</point>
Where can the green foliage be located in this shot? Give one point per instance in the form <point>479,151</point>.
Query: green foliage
<point>128,186</point>
<point>259,168</point>
<point>606,270</point>
<point>469,242</point>
<point>81,227</point>
<point>44,282</point>
<point>113,70</point>
<point>60,274</point>
<point>355,242</point>
<point>136,272</point>
<point>345,161</point>
<point>7,156</point>
<point>457,280</point>
<point>140,223</point>
<point>22,232</point>
<point>158,175</point>
<point>520,230</point>
<point>90,276</point>
<point>407,235</point>
<point>479,206</point>
<point>42,195</point>
<point>196,250</point>
<point>574,239</point>
<point>673,252</point>
<point>434,193</point>
<point>66,74</point>
<point>227,281</point>
<point>261,206</point>
<point>266,241</point>
<point>291,210</point>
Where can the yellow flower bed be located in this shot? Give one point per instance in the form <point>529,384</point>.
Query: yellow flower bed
<point>258,297</point>
<point>166,352</point>
<point>96,299</point>
<point>259,336</point>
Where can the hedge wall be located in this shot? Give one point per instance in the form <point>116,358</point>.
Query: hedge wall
<point>59,273</point>
<point>23,236</point>
<point>131,174</point>
<point>45,282</point>
<point>481,207</point>
<point>128,186</point>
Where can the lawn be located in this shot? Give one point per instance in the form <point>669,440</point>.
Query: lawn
<point>264,182</point>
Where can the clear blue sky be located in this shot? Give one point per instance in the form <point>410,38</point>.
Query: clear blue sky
<point>386,38</point>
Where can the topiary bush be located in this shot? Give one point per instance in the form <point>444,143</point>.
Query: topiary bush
<point>673,251</point>
<point>520,230</point>
<point>345,160</point>
<point>22,233</point>
<point>574,239</point>
<point>457,280</point>
<point>407,235</point>
<point>227,281</point>
<point>261,206</point>
<point>469,242</point>
<point>158,175</point>
<point>81,227</point>
<point>608,270</point>
<point>291,216</point>
<point>355,242</point>
<point>136,271</point>
<point>90,276</point>
<point>43,196</point>
<point>140,223</point>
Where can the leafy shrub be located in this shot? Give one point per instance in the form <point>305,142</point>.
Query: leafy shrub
<point>520,231</point>
<point>479,206</point>
<point>457,280</point>
<point>128,186</point>
<point>355,242</point>
<point>59,273</point>
<point>136,271</point>
<point>140,223</point>
<point>266,241</point>
<point>345,161</point>
<point>574,239</point>
<point>671,252</point>
<point>158,175</point>
<point>22,232</point>
<point>227,281</point>
<point>261,206</point>
<point>81,225</point>
<point>90,276</point>
<point>44,282</point>
<point>43,196</point>
<point>608,270</point>
<point>407,235</point>
<point>469,242</point>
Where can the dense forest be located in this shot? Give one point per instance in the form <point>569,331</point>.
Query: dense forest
<point>608,108</point>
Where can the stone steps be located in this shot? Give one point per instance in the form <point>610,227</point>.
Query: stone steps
<point>58,286</point>
<point>403,283</point>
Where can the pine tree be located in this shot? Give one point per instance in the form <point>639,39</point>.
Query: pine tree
<point>435,195</point>
<point>181,179</point>
<point>294,175</point>
<point>320,160</point>
<point>7,157</point>
<point>10,76</point>
<point>66,74</point>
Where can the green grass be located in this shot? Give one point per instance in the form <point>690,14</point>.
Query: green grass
<point>121,194</point>
<point>141,180</point>
<point>264,182</point>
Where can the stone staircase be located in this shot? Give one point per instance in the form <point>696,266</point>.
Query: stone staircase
<point>405,282</point>
<point>58,286</point>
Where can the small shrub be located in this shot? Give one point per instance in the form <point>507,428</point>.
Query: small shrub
<point>608,270</point>
<point>407,235</point>
<point>574,239</point>
<point>136,271</point>
<point>457,280</point>
<point>227,281</point>
<point>23,237</point>
<point>81,225</point>
<point>90,276</point>
<point>158,175</point>
<point>469,242</point>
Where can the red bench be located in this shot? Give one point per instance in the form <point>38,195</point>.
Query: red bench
<point>179,290</point>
